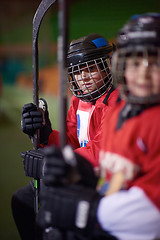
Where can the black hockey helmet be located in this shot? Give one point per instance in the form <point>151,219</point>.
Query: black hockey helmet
<point>141,30</point>
<point>92,50</point>
<point>140,36</point>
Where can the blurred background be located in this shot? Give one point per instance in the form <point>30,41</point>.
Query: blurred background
<point>105,17</point>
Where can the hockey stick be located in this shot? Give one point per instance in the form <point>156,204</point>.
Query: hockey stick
<point>62,60</point>
<point>41,10</point>
<point>62,63</point>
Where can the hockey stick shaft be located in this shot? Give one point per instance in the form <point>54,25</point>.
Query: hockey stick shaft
<point>62,62</point>
<point>41,10</point>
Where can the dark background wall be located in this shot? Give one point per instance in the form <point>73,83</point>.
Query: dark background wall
<point>86,16</point>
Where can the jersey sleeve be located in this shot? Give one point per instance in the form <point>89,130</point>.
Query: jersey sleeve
<point>54,138</point>
<point>129,215</point>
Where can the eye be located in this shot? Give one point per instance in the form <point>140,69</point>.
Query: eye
<point>155,64</point>
<point>133,63</point>
<point>136,63</point>
<point>75,69</point>
<point>91,67</point>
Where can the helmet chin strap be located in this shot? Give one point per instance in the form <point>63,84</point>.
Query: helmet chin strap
<point>129,111</point>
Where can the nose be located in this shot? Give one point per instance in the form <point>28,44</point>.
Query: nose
<point>85,74</point>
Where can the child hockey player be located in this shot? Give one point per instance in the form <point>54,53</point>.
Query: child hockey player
<point>90,80</point>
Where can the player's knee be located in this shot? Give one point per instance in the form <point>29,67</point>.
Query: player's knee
<point>23,198</point>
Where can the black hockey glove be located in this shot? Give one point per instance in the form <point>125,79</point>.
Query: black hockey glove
<point>69,209</point>
<point>33,119</point>
<point>33,162</point>
<point>58,167</point>
<point>64,166</point>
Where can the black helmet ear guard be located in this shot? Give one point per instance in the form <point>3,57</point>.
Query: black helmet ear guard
<point>86,52</point>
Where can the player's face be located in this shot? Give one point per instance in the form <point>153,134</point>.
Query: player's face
<point>143,76</point>
<point>90,78</point>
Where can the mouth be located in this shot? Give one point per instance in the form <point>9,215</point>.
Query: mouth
<point>144,87</point>
<point>88,85</point>
<point>141,90</point>
<point>87,88</point>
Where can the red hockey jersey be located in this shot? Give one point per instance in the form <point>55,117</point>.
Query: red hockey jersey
<point>134,149</point>
<point>84,126</point>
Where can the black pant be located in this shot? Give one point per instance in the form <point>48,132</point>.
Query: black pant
<point>23,213</point>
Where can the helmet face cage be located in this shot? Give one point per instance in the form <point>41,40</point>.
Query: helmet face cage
<point>83,80</point>
<point>119,60</point>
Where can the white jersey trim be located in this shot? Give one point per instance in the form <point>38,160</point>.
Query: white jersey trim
<point>116,163</point>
